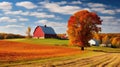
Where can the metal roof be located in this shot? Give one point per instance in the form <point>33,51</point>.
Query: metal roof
<point>48,30</point>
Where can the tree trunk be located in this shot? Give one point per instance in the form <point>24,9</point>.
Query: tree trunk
<point>82,48</point>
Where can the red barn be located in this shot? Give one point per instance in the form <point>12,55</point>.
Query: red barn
<point>44,32</point>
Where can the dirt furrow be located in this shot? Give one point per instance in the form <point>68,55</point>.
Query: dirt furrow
<point>93,60</point>
<point>107,62</point>
<point>117,64</point>
<point>114,62</point>
<point>82,62</point>
<point>106,58</point>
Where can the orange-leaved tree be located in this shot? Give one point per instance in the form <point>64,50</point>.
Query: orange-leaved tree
<point>81,25</point>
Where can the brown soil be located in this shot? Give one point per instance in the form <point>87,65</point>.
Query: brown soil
<point>13,51</point>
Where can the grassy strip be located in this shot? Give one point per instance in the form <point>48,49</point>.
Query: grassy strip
<point>56,42</point>
<point>104,49</point>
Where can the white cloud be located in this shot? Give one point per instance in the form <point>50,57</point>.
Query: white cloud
<point>108,12</point>
<point>35,14</point>
<point>26,4</point>
<point>7,19</point>
<point>13,12</point>
<point>13,26</point>
<point>101,8</point>
<point>5,5</point>
<point>49,23</point>
<point>61,3</point>
<point>41,15</point>
<point>110,29</point>
<point>19,12</point>
<point>103,11</point>
<point>25,13</point>
<point>53,7</point>
<point>98,9</point>
<point>87,9</point>
<point>40,9</point>
<point>110,24</point>
<point>110,20</point>
<point>107,17</point>
<point>16,29</point>
<point>93,5</point>
<point>118,20</point>
<point>76,2</point>
<point>23,19</point>
<point>58,27</point>
<point>117,10</point>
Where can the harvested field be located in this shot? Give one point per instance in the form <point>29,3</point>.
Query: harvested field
<point>103,60</point>
<point>13,51</point>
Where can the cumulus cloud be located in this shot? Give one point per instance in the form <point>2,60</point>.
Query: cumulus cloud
<point>41,15</point>
<point>35,14</point>
<point>13,12</point>
<point>61,3</point>
<point>16,29</point>
<point>107,17</point>
<point>19,12</point>
<point>103,11</point>
<point>13,26</point>
<point>93,5</point>
<point>5,5</point>
<point>117,10</point>
<point>110,20</point>
<point>101,8</point>
<point>118,20</point>
<point>76,2</point>
<point>58,26</point>
<point>7,19</point>
<point>110,24</point>
<point>26,4</point>
<point>51,23</point>
<point>23,19</point>
<point>108,12</point>
<point>110,29</point>
<point>61,9</point>
<point>98,9</point>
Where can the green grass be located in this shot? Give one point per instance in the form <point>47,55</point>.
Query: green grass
<point>56,42</point>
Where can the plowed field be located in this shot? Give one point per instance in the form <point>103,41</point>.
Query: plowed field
<point>13,51</point>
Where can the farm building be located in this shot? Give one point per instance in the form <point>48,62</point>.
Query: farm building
<point>93,42</point>
<point>44,32</point>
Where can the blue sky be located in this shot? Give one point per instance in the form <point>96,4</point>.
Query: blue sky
<point>17,15</point>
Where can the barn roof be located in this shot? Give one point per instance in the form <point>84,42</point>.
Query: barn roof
<point>48,30</point>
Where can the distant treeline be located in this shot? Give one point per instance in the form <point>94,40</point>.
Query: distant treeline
<point>10,36</point>
<point>110,35</point>
<point>62,36</point>
<point>108,38</point>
